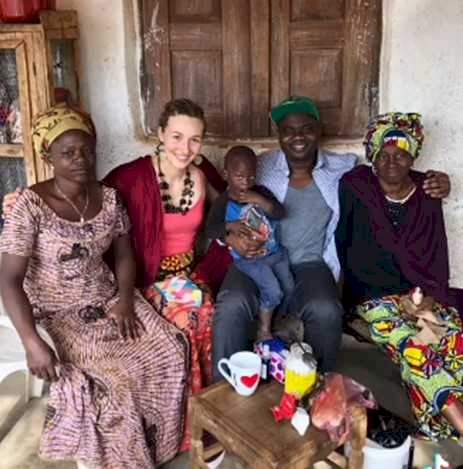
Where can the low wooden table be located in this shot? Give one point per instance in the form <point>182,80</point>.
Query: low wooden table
<point>245,427</point>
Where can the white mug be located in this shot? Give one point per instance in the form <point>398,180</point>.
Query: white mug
<point>245,369</point>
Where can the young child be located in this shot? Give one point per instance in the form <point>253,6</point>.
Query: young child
<point>253,211</point>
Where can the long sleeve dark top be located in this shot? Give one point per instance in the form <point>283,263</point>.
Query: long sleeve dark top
<point>369,270</point>
<point>215,224</point>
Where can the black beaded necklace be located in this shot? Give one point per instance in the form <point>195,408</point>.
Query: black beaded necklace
<point>186,199</point>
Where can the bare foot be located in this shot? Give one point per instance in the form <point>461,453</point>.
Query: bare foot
<point>263,335</point>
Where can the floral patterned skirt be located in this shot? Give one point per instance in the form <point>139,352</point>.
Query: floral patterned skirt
<point>195,322</point>
<point>432,373</point>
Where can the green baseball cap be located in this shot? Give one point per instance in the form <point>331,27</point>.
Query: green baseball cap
<point>293,105</point>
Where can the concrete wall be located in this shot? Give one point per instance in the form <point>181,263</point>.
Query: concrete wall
<point>420,71</point>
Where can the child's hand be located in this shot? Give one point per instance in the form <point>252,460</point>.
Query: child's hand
<point>250,197</point>
<point>239,228</point>
<point>246,247</point>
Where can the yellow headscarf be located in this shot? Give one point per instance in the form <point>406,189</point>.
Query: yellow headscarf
<point>53,123</point>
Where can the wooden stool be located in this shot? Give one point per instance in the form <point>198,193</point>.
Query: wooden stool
<point>245,427</point>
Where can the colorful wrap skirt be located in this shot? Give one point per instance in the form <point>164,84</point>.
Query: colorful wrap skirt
<point>432,373</point>
<point>195,322</point>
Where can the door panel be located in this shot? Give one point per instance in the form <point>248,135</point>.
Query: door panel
<point>328,51</point>
<point>198,74</point>
<point>195,10</point>
<point>316,9</point>
<point>326,63</point>
<point>236,68</point>
<point>238,58</point>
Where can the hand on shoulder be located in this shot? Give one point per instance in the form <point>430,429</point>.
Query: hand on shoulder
<point>437,184</point>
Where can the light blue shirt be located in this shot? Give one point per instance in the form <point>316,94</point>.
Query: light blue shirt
<point>273,173</point>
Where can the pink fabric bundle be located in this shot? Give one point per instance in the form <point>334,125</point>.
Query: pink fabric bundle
<point>180,290</point>
<point>332,407</point>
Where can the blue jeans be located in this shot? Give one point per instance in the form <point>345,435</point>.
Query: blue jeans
<point>272,276</point>
<point>314,301</point>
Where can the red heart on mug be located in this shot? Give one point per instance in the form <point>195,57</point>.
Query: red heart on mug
<point>249,381</point>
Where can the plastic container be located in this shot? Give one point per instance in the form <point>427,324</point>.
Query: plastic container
<point>377,457</point>
<point>301,371</point>
<point>24,11</point>
<point>266,360</point>
<point>278,356</point>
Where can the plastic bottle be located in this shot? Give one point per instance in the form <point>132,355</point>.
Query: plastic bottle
<point>440,462</point>
<point>266,359</point>
<point>301,371</point>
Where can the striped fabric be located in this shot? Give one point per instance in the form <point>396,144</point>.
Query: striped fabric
<point>117,404</point>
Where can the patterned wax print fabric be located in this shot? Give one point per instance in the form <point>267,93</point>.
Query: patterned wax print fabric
<point>433,374</point>
<point>117,403</point>
<point>254,217</point>
<point>407,128</point>
<point>57,120</point>
<point>194,321</point>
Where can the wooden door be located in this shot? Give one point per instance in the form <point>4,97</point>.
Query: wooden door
<point>329,51</point>
<point>215,52</point>
<point>237,58</point>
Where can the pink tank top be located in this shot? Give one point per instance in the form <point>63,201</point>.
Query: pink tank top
<point>179,231</point>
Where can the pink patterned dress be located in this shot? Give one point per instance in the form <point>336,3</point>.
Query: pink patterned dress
<point>117,404</point>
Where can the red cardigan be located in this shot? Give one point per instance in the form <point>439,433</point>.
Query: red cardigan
<point>138,187</point>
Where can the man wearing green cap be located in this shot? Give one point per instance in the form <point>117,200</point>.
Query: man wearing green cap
<point>304,178</point>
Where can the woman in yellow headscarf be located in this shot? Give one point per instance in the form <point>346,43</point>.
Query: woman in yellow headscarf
<point>117,392</point>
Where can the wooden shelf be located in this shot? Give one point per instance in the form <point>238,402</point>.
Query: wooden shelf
<point>62,20</point>
<point>11,151</point>
<point>35,53</point>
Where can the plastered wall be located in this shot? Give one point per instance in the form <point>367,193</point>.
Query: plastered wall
<point>420,71</point>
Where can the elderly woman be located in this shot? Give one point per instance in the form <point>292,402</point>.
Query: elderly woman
<point>118,379</point>
<point>391,238</point>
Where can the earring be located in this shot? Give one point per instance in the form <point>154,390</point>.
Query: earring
<point>159,151</point>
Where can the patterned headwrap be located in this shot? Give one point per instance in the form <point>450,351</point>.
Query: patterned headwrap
<point>403,130</point>
<point>50,125</point>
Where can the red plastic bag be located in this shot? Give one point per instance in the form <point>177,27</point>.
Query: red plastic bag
<point>286,409</point>
<point>332,407</point>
